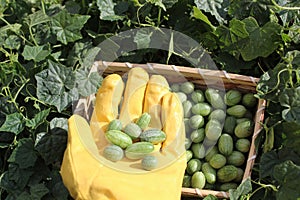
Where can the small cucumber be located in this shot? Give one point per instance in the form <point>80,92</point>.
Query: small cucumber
<point>187,87</point>
<point>144,120</point>
<point>196,121</point>
<point>133,130</point>
<point>189,155</point>
<point>240,175</point>
<point>215,98</point>
<point>203,109</point>
<point>225,144</point>
<point>217,161</point>
<point>249,100</point>
<point>237,111</point>
<point>198,135</point>
<point>213,130</point>
<point>198,180</point>
<point>198,150</point>
<point>182,97</point>
<point>186,181</point>
<point>209,173</point>
<point>149,162</point>
<point>243,145</point>
<point>187,108</point>
<point>198,96</point>
<point>229,124</point>
<point>217,114</point>
<point>175,87</point>
<point>244,129</point>
<point>211,152</point>
<point>115,124</point>
<point>118,138</point>
<point>113,153</point>
<point>153,135</point>
<point>227,173</point>
<point>139,150</point>
<point>236,158</point>
<point>227,186</point>
<point>193,166</point>
<point>232,97</point>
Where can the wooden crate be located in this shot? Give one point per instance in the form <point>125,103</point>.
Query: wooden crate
<point>202,78</point>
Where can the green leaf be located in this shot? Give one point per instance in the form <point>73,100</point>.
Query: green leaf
<point>56,186</point>
<point>262,41</point>
<point>8,185</point>
<point>36,53</point>
<point>24,154</point>
<point>198,14</point>
<point>288,175</point>
<point>267,162</point>
<point>37,191</point>
<point>38,119</point>
<point>232,34</point>
<point>244,188</point>
<point>213,7</point>
<point>169,3</point>
<point>56,86</point>
<point>37,17</point>
<point>142,38</point>
<point>106,8</point>
<point>78,52</point>
<point>52,145</point>
<point>290,99</point>
<point>12,42</point>
<point>14,123</point>
<point>59,123</point>
<point>18,175</point>
<point>87,82</point>
<point>67,26</point>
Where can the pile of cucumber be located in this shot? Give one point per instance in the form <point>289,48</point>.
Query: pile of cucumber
<point>133,141</point>
<point>219,125</point>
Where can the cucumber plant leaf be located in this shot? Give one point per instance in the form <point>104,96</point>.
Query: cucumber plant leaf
<point>36,53</point>
<point>214,7</point>
<point>56,85</point>
<point>87,82</point>
<point>38,119</point>
<point>290,99</point>
<point>244,188</point>
<point>24,154</point>
<point>106,8</point>
<point>13,123</point>
<point>67,26</point>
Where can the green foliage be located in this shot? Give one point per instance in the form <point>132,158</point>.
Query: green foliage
<point>47,49</point>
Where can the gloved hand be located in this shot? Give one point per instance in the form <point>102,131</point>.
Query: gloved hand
<point>89,176</point>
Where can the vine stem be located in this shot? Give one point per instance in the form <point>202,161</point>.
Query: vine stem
<point>284,7</point>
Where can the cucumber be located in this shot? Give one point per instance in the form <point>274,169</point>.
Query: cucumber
<point>138,150</point>
<point>118,138</point>
<point>232,97</point>
<point>249,100</point>
<point>182,97</point>
<point>153,135</point>
<point>193,166</point>
<point>227,173</point>
<point>186,181</point>
<point>240,175</point>
<point>215,99</point>
<point>203,109</point>
<point>198,180</point>
<point>144,120</point>
<point>189,155</point>
<point>198,150</point>
<point>225,144</point>
<point>236,158</point>
<point>187,127</point>
<point>217,161</point>
<point>209,173</point>
<point>187,143</point>
<point>196,121</point>
<point>243,145</point>
<point>240,120</point>
<point>198,135</point>
<point>213,130</point>
<point>175,87</point>
<point>149,162</point>
<point>115,124</point>
<point>113,153</point>
<point>217,114</point>
<point>187,108</point>
<point>237,111</point>
<point>229,124</point>
<point>227,186</point>
<point>211,152</point>
<point>197,96</point>
<point>244,129</point>
<point>133,130</point>
<point>187,87</point>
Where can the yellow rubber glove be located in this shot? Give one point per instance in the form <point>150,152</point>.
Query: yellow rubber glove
<point>89,176</point>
